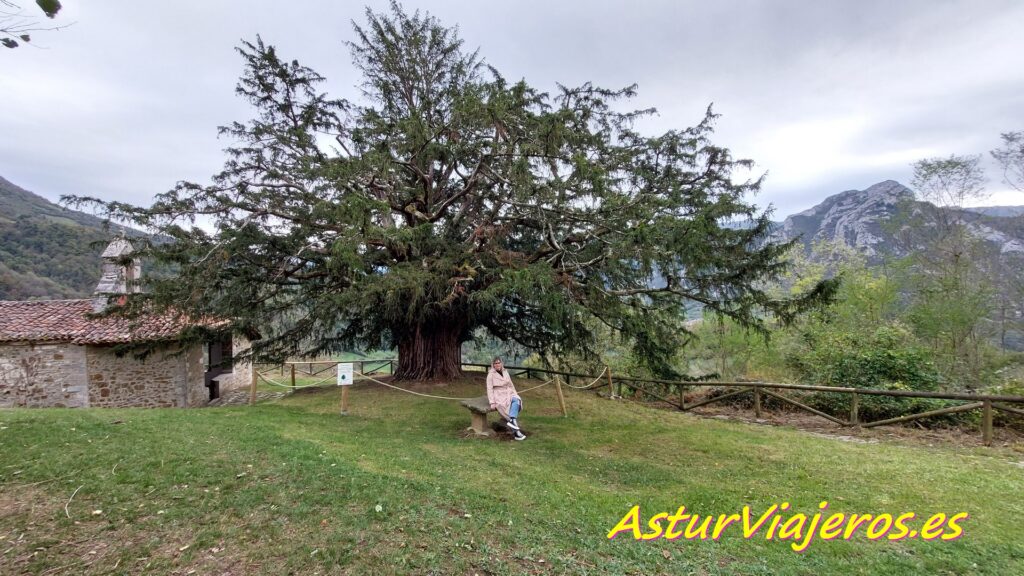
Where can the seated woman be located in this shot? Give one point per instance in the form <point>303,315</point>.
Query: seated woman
<point>502,395</point>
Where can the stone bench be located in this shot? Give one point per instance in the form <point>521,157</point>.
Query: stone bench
<point>479,407</point>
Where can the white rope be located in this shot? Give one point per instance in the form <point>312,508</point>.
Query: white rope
<point>439,397</point>
<point>368,377</point>
<point>592,382</point>
<point>372,379</point>
<point>548,381</point>
<point>274,383</point>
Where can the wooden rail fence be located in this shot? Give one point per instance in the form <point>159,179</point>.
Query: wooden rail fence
<point>987,403</point>
<point>312,368</point>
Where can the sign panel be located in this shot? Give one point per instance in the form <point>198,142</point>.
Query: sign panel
<point>344,374</point>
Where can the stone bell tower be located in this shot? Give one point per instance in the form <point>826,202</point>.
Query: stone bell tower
<point>119,272</point>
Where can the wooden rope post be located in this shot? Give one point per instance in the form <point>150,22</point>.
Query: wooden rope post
<point>293,377</point>
<point>986,422</point>
<point>854,410</point>
<point>757,402</point>
<point>252,385</point>
<point>344,400</point>
<point>561,397</point>
<point>611,391</point>
<point>682,399</point>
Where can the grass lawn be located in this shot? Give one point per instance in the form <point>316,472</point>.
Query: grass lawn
<point>291,487</point>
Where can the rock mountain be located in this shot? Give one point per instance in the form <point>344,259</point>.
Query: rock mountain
<point>862,219</point>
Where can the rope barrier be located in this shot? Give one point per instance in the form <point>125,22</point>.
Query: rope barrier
<point>274,383</point>
<point>592,382</point>
<point>372,379</point>
<point>368,377</point>
<point>549,381</point>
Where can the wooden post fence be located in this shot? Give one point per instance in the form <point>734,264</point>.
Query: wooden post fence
<point>561,398</point>
<point>293,376</point>
<point>344,400</point>
<point>252,385</point>
<point>986,422</point>
<point>987,403</point>
<point>939,412</point>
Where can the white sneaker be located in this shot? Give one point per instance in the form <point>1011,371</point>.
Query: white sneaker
<point>512,424</point>
<point>519,436</point>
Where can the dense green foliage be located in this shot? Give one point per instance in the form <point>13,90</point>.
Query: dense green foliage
<point>46,251</point>
<point>889,359</point>
<point>871,336</point>
<point>41,259</point>
<point>450,200</point>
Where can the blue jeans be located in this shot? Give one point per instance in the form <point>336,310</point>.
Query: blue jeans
<point>513,409</point>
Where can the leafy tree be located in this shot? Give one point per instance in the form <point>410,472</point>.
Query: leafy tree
<point>15,27</point>
<point>949,184</point>
<point>1011,158</point>
<point>952,294</point>
<point>1007,267</point>
<point>452,199</point>
<point>865,300</point>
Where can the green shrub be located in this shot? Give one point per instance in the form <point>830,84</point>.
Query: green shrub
<point>887,359</point>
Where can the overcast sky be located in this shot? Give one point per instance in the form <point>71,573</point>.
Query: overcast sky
<point>825,96</point>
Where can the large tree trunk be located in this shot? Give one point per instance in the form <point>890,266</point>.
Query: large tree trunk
<point>430,352</point>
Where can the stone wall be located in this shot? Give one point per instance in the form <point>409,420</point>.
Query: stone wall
<point>241,372</point>
<point>115,381</point>
<point>41,375</point>
<point>196,392</point>
<point>68,375</point>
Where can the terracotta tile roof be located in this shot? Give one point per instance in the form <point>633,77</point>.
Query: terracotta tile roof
<point>69,321</point>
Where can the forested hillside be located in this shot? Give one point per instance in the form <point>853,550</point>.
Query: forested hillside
<point>46,251</point>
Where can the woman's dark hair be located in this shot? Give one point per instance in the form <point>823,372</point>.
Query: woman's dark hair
<point>497,359</point>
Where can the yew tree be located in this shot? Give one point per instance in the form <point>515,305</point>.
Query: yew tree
<point>448,199</point>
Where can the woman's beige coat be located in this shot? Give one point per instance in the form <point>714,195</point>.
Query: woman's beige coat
<point>501,391</point>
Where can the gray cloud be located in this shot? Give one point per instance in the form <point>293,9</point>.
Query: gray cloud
<point>825,96</point>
